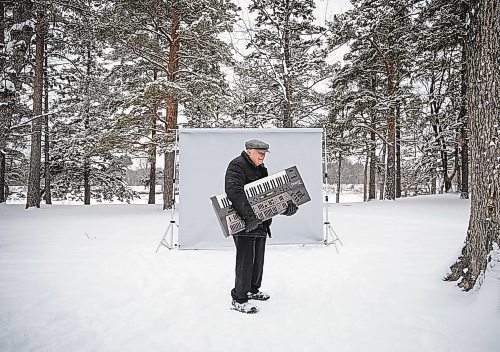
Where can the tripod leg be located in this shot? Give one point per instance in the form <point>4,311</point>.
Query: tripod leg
<point>334,238</point>
<point>162,239</point>
<point>165,243</point>
<point>171,235</point>
<point>329,239</point>
<point>331,236</point>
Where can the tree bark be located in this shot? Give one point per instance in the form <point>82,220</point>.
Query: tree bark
<point>339,173</point>
<point>463,118</point>
<point>3,191</point>
<point>5,111</point>
<point>373,167</point>
<point>5,117</point>
<point>483,98</point>
<point>390,184</point>
<point>373,146</point>
<point>152,156</point>
<point>287,106</point>
<point>365,176</point>
<point>382,172</point>
<point>433,172</point>
<point>464,153</point>
<point>398,152</point>
<point>172,106</point>
<point>48,195</point>
<point>86,161</point>
<point>33,196</point>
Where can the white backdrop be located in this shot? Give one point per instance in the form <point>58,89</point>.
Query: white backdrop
<point>203,159</point>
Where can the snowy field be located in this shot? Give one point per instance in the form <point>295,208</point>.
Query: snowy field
<point>75,278</point>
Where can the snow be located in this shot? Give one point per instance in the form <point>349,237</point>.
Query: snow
<point>75,278</point>
<point>19,26</point>
<point>7,85</point>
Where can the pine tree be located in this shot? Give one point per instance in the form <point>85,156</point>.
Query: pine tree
<point>88,158</point>
<point>33,196</point>
<point>483,235</point>
<point>442,48</point>
<point>180,39</point>
<point>379,68</point>
<point>17,30</point>
<point>286,61</point>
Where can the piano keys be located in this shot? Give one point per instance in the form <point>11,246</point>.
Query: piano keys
<point>268,197</point>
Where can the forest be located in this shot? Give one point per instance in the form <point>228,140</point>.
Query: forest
<point>89,86</point>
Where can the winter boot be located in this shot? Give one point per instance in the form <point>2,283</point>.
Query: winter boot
<point>246,307</point>
<point>259,296</point>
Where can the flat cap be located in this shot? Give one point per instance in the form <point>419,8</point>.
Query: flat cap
<point>256,144</point>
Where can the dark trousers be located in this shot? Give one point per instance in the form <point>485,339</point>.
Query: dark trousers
<point>249,266</point>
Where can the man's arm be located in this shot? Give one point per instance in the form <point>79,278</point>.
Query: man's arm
<point>234,187</point>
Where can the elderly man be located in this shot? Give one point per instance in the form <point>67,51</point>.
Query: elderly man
<point>250,243</point>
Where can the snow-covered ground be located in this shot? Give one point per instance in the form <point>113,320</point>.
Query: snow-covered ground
<point>75,278</point>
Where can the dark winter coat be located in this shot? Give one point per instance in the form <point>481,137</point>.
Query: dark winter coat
<point>241,171</point>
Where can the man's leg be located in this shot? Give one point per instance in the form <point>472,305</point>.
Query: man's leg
<point>244,265</point>
<point>258,264</point>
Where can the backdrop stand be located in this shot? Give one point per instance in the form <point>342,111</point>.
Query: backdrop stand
<point>168,237</point>
<point>330,235</point>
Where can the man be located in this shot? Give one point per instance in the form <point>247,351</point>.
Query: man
<point>250,243</point>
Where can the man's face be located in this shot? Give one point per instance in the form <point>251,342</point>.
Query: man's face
<point>257,156</point>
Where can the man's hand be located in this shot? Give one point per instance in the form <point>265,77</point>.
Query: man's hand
<point>252,224</point>
<point>291,208</point>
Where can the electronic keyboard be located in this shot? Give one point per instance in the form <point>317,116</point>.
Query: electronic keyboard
<point>267,196</point>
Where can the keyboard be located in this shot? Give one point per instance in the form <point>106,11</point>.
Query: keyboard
<point>268,197</point>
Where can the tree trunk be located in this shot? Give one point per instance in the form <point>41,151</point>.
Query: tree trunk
<point>22,11</point>
<point>172,106</point>
<point>390,174</point>
<point>464,190</point>
<point>152,178</point>
<point>86,161</point>
<point>463,119</point>
<point>287,101</point>
<point>457,171</point>
<point>339,173</point>
<point>373,167</point>
<point>365,177</point>
<point>438,133</point>
<point>390,184</point>
<point>33,196</point>
<point>382,171</point>
<point>48,195</point>
<point>398,152</point>
<point>373,145</point>
<point>5,111</point>
<point>5,117</point>
<point>152,157</point>
<point>3,191</point>
<point>433,178</point>
<point>483,98</point>
<point>435,106</point>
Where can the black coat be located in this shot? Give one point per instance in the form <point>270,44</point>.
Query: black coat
<point>241,171</point>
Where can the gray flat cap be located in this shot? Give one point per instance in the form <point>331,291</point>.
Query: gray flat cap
<point>256,144</point>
